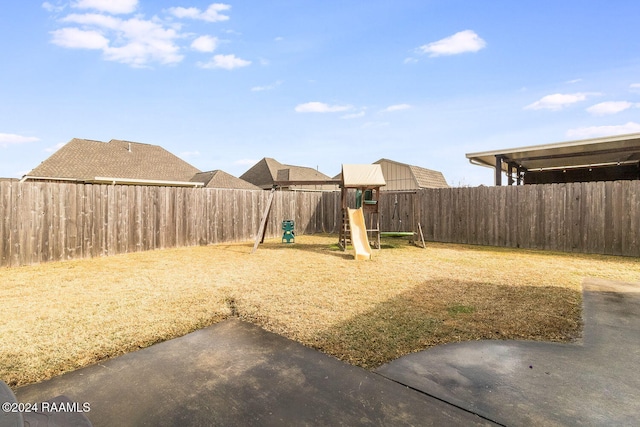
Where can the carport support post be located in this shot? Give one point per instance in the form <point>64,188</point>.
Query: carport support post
<point>521,172</point>
<point>511,166</point>
<point>498,170</point>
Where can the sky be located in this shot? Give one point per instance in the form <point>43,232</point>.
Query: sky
<point>316,83</point>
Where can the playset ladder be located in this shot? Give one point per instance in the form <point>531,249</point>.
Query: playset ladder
<point>373,230</point>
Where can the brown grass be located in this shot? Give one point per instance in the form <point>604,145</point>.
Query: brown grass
<point>58,317</point>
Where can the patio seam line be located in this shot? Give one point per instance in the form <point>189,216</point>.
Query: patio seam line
<point>442,400</point>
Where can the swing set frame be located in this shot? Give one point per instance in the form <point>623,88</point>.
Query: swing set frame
<point>416,236</point>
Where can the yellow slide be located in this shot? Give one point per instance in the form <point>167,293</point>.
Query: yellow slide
<point>359,238</point>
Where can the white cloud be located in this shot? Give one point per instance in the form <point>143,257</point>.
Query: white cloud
<point>227,62</point>
<point>634,87</point>
<point>410,60</point>
<point>75,38</point>
<point>557,101</point>
<point>139,54</point>
<point>212,14</point>
<point>205,44</point>
<point>353,116</point>
<point>397,107</point>
<point>146,41</point>
<point>595,131</point>
<point>94,19</point>
<point>7,139</point>
<point>109,6</point>
<point>574,81</point>
<point>461,42</point>
<point>135,41</point>
<point>320,107</point>
<point>266,87</point>
<point>52,8</point>
<point>609,107</point>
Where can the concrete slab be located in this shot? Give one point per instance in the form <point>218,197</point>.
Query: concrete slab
<point>235,373</point>
<point>594,382</point>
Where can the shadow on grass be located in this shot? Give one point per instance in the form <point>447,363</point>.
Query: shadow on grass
<point>333,248</point>
<point>439,312</point>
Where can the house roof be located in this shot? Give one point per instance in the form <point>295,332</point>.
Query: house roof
<point>268,170</point>
<point>261,173</point>
<point>221,179</point>
<point>610,150</point>
<point>87,160</point>
<point>425,178</point>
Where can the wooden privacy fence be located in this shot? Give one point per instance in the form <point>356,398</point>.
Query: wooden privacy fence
<point>50,221</point>
<point>590,217</point>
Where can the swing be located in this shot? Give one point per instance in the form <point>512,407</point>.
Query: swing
<point>397,232</point>
<point>413,235</point>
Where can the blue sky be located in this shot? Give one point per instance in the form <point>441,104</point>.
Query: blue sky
<point>316,83</point>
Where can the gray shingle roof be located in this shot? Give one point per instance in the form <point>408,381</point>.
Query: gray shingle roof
<point>221,179</point>
<point>268,170</point>
<point>84,159</point>
<point>261,173</point>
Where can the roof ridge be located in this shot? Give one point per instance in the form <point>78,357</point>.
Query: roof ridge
<point>134,142</point>
<point>86,140</point>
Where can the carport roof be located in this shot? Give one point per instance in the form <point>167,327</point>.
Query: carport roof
<point>610,150</point>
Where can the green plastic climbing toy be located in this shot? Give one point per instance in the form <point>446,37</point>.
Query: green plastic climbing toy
<point>288,235</point>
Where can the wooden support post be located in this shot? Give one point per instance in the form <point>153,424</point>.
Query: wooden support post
<point>263,223</point>
<point>498,175</point>
<point>521,172</point>
<point>422,236</point>
<point>510,167</point>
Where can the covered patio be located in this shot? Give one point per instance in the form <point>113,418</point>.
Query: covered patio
<point>608,158</point>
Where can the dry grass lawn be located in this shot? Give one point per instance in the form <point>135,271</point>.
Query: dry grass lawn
<point>58,317</point>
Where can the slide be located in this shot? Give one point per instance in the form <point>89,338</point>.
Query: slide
<point>359,238</point>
